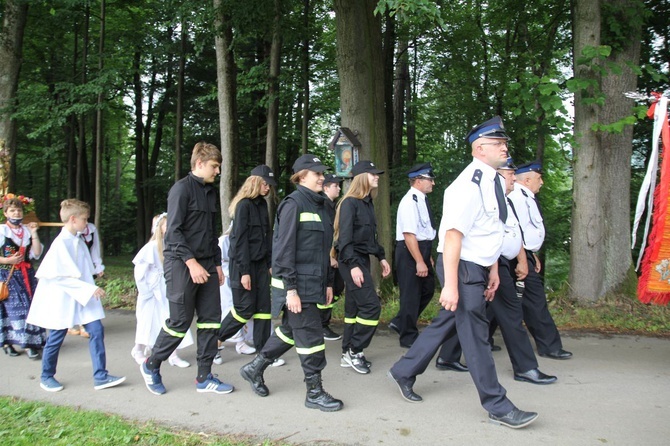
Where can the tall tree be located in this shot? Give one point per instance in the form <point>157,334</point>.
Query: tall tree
<point>11,47</point>
<point>226,70</point>
<point>360,67</point>
<point>600,250</point>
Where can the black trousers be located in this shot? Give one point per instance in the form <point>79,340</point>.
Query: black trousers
<point>362,309</point>
<point>451,350</point>
<point>302,330</point>
<point>536,312</point>
<point>472,325</point>
<point>248,304</point>
<point>415,292</point>
<point>327,310</point>
<point>186,298</point>
<point>507,310</point>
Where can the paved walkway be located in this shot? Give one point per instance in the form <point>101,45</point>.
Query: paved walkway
<point>615,391</point>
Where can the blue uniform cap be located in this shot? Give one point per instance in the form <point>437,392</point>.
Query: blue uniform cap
<point>509,164</point>
<point>421,170</point>
<point>493,128</point>
<point>533,166</point>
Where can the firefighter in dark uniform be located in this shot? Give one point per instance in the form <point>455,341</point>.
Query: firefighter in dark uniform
<point>193,274</point>
<point>250,256</point>
<point>506,307</point>
<point>355,241</point>
<point>473,219</point>
<point>414,234</point>
<point>302,279</point>
<point>535,310</point>
<point>331,189</point>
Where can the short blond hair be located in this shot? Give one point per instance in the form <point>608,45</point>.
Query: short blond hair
<point>75,207</point>
<point>204,152</point>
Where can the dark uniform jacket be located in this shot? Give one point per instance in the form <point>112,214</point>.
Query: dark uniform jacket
<point>191,221</point>
<point>358,232</point>
<point>302,240</point>
<point>250,238</point>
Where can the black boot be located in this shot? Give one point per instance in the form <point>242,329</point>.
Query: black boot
<point>253,372</point>
<point>317,398</point>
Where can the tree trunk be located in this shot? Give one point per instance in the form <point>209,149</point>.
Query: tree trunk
<point>617,151</point>
<point>389,59</point>
<point>271,154</point>
<point>400,84</point>
<point>82,188</point>
<point>179,125</point>
<point>305,79</point>
<point>99,133</point>
<point>140,157</point>
<point>11,48</point>
<point>410,113</point>
<point>226,74</point>
<point>360,67</point>
<point>586,248</point>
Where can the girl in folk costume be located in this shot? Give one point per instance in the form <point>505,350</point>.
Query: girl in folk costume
<point>91,237</point>
<point>246,333</point>
<point>20,244</point>
<point>152,305</point>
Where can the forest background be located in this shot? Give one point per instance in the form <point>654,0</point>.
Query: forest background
<point>103,100</point>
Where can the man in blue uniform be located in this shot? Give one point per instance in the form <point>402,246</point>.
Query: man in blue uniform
<point>414,234</point>
<point>475,210</point>
<point>535,311</point>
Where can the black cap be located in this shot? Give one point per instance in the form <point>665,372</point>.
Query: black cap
<point>309,162</point>
<point>509,164</point>
<point>365,166</point>
<point>533,166</point>
<point>332,178</point>
<point>424,170</point>
<point>266,173</point>
<point>493,128</point>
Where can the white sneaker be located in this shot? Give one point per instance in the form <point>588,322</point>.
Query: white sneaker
<point>244,349</point>
<point>238,337</point>
<point>218,360</point>
<point>178,362</point>
<point>138,356</point>
<point>278,362</point>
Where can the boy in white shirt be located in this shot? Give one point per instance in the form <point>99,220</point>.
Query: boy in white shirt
<point>66,295</point>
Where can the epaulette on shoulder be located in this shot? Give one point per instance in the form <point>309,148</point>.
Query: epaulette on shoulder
<point>524,193</point>
<point>414,197</point>
<point>477,177</point>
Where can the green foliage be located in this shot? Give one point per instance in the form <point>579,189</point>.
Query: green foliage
<point>42,424</point>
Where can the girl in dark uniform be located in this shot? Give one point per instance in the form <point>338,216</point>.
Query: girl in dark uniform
<point>355,240</point>
<point>250,256</point>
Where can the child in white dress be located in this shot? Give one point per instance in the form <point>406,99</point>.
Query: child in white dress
<point>152,305</point>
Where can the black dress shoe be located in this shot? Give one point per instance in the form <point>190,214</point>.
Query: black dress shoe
<point>405,345</point>
<point>9,350</point>
<point>558,354</point>
<point>33,353</point>
<point>534,376</point>
<point>405,390</point>
<point>516,419</point>
<point>495,348</point>
<point>455,366</point>
<point>394,327</point>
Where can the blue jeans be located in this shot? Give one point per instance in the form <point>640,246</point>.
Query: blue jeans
<point>96,344</point>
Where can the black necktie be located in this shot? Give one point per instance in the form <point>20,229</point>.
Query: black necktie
<point>500,196</point>
<point>430,214</point>
<point>511,206</point>
<point>537,203</point>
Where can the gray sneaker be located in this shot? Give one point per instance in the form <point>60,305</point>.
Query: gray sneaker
<point>356,361</point>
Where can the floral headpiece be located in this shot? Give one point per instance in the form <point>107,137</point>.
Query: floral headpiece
<point>28,203</point>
